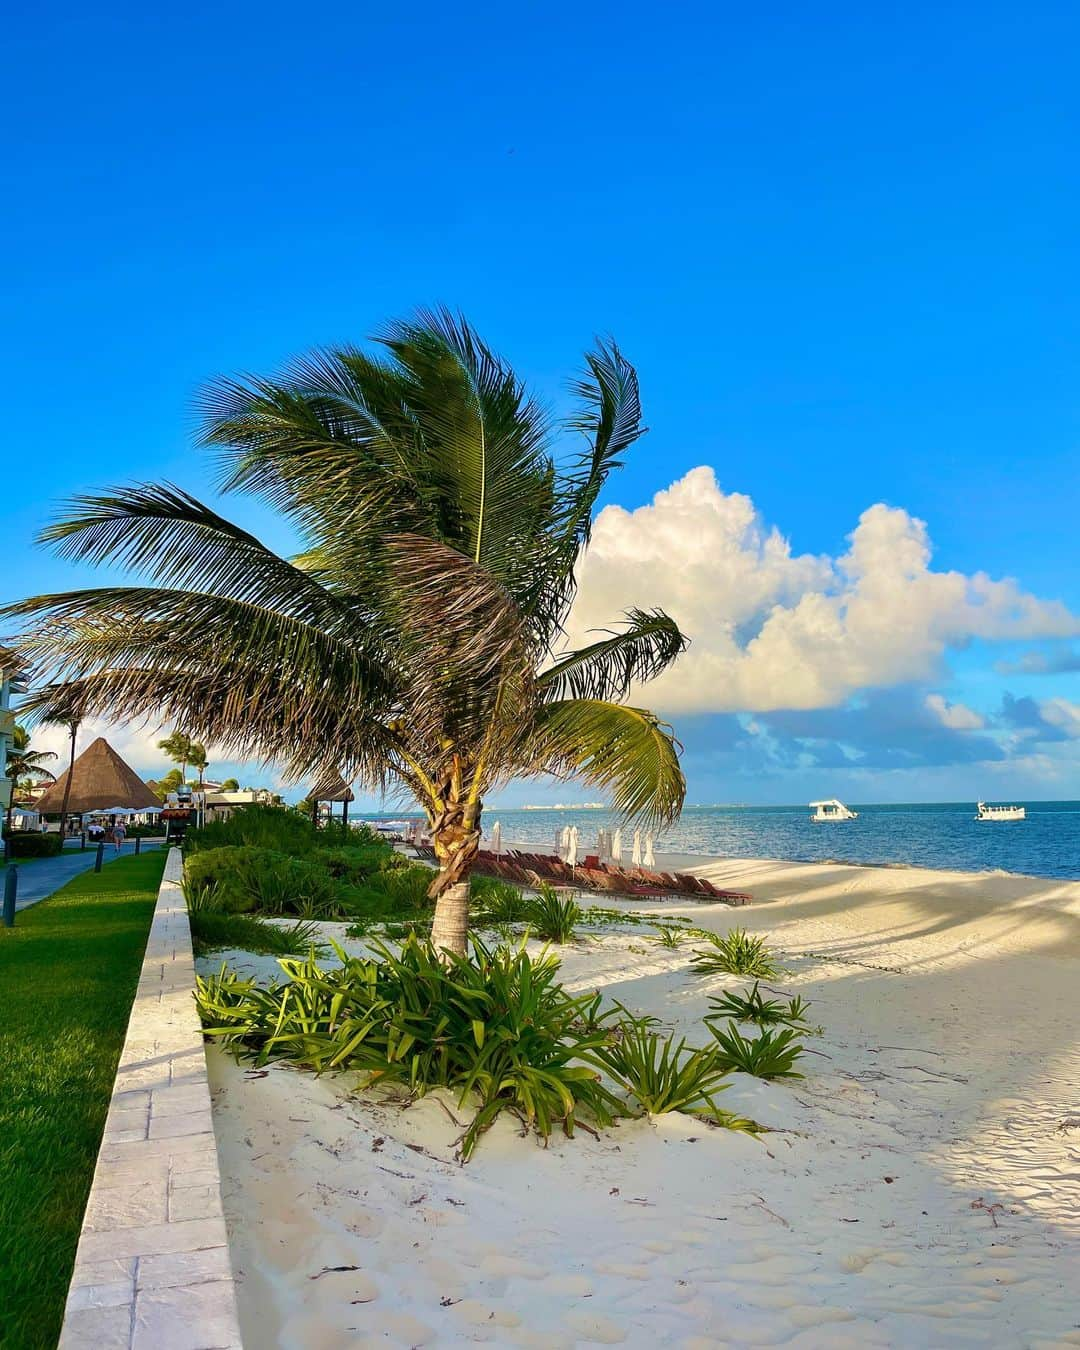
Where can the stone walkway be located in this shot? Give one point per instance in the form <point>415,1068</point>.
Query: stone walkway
<point>152,1270</point>
<point>41,877</point>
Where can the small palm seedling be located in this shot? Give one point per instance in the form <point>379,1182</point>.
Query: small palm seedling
<point>735,953</point>
<point>668,937</point>
<point>553,918</point>
<point>497,902</point>
<point>765,1012</point>
<point>664,1075</point>
<point>773,1054</point>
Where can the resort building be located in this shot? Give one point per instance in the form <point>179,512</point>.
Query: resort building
<point>9,684</point>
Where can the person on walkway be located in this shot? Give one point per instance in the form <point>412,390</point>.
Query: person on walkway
<point>119,834</point>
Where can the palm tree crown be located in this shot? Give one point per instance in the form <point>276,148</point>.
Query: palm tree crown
<point>417,642</point>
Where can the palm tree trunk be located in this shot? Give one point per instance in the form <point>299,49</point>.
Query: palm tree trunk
<point>456,846</point>
<point>67,785</point>
<point>451,926</point>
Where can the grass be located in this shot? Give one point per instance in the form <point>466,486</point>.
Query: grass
<point>68,972</point>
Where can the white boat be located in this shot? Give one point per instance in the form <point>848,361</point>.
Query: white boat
<point>985,812</point>
<point>831,810</point>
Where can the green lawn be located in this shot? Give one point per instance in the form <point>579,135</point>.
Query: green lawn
<point>68,971</point>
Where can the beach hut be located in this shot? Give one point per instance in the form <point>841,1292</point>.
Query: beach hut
<point>331,788</point>
<point>100,781</point>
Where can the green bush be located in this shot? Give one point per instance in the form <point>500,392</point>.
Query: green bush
<point>212,930</point>
<point>735,953</point>
<point>262,879</point>
<point>30,844</point>
<point>765,1012</point>
<point>773,1054</point>
<point>268,827</point>
<point>664,1076</point>
<point>552,918</point>
<point>496,1028</point>
<point>497,902</point>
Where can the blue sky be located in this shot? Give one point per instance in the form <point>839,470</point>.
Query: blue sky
<point>840,244</point>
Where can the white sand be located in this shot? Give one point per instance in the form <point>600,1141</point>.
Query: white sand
<point>922,1187</point>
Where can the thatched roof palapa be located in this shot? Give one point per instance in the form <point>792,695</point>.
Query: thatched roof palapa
<point>331,788</point>
<point>99,779</point>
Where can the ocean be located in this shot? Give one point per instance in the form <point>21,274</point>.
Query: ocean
<point>942,835</point>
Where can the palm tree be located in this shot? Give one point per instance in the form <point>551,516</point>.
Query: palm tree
<point>417,643</point>
<point>178,747</point>
<point>197,759</point>
<point>27,764</point>
<point>72,725</point>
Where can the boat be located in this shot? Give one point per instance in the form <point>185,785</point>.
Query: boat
<point>984,812</point>
<point>831,810</point>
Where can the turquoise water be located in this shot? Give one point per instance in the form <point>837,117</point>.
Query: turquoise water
<point>943,835</point>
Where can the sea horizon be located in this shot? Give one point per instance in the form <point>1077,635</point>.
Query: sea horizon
<point>944,836</point>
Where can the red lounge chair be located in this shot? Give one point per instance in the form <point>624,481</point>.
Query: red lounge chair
<point>728,897</point>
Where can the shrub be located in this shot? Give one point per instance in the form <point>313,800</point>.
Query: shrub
<point>735,953</point>
<point>553,918</point>
<point>497,902</point>
<point>211,930</point>
<point>405,888</point>
<point>765,1012</point>
<point>664,1076</point>
<point>497,1029</point>
<point>356,863</point>
<point>261,878</point>
<point>267,827</point>
<point>772,1054</point>
<point>30,844</point>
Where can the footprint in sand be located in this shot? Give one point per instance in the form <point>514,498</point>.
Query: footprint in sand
<point>595,1327</point>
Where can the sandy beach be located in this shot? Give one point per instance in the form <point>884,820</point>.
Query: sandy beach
<point>920,1187</point>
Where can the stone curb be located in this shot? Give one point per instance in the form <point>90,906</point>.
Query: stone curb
<point>152,1269</point>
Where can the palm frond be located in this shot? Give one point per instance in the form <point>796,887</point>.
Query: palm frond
<point>607,669</point>
<point>628,752</point>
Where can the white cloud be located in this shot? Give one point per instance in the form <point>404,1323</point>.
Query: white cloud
<point>772,629</point>
<point>955,716</point>
<point>1060,713</point>
<point>137,745</point>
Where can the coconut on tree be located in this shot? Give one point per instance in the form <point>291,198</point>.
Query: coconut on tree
<point>417,643</point>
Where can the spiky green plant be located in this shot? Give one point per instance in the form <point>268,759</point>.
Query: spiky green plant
<point>553,917</point>
<point>751,1007</point>
<point>734,953</point>
<point>669,937</point>
<point>498,1030</point>
<point>771,1054</point>
<point>664,1075</point>
<point>417,642</point>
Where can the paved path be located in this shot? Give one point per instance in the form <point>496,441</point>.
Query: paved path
<point>40,877</point>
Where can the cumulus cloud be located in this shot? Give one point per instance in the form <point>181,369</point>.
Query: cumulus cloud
<point>955,716</point>
<point>1063,715</point>
<point>773,629</point>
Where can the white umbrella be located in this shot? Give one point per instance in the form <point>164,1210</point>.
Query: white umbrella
<point>496,839</point>
<point>616,847</point>
<point>572,847</point>
<point>602,845</point>
<point>635,856</point>
<point>650,856</point>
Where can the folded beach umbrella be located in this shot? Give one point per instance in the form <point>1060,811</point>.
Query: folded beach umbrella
<point>616,847</point>
<point>572,847</point>
<point>635,856</point>
<point>650,856</point>
<point>496,839</point>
